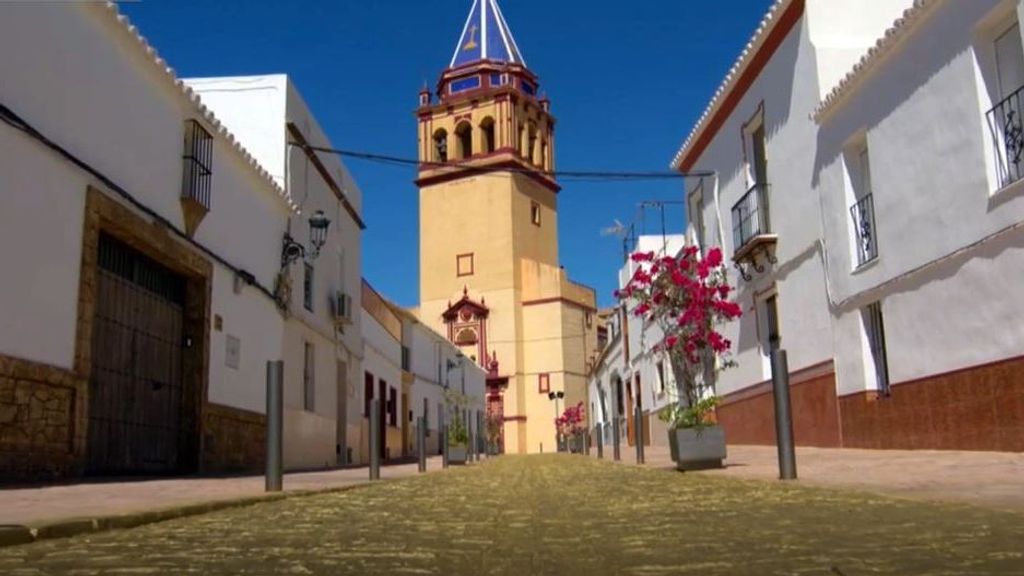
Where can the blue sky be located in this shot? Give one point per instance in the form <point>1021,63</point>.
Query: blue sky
<point>627,80</point>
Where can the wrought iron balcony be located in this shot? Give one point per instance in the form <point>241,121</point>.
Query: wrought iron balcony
<point>1005,123</point>
<point>863,214</point>
<point>751,233</point>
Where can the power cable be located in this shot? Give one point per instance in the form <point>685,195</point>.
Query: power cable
<point>575,175</point>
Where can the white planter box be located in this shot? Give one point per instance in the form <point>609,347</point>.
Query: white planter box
<point>694,449</point>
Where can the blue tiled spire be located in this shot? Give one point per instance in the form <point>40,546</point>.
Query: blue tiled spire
<point>486,36</point>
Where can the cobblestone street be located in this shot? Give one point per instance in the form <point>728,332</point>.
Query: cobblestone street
<point>515,515</point>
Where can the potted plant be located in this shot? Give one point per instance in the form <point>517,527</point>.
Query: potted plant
<point>458,440</point>
<point>494,424</point>
<point>686,298</point>
<point>570,428</point>
<point>458,435</point>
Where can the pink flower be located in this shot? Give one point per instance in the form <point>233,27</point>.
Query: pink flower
<point>714,257</point>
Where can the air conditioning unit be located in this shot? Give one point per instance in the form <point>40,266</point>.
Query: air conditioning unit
<point>341,308</point>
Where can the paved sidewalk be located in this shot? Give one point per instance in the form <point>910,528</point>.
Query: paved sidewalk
<point>46,505</point>
<point>991,479</point>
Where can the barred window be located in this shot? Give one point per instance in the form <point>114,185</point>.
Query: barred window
<point>197,164</point>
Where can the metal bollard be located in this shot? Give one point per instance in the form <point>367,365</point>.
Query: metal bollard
<point>275,425</point>
<point>783,415</point>
<point>470,445</point>
<point>481,434</point>
<point>616,439</point>
<point>444,445</point>
<point>638,433</point>
<point>600,441</point>
<point>375,439</point>
<point>421,443</point>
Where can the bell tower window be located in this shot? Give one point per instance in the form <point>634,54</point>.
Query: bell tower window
<point>532,145</point>
<point>441,145</point>
<point>464,135</point>
<point>487,135</point>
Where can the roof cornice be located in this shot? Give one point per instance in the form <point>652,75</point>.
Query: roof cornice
<point>110,11</point>
<point>873,58</point>
<point>732,78</point>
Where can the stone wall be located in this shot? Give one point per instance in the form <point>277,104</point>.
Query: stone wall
<point>234,440</point>
<point>38,435</point>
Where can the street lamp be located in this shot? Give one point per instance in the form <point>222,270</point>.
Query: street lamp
<point>556,396</point>
<point>292,250</point>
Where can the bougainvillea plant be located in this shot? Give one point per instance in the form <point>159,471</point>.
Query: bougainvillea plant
<point>570,426</point>
<point>570,423</point>
<point>687,297</point>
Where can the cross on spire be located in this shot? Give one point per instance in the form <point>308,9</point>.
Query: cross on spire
<point>486,36</point>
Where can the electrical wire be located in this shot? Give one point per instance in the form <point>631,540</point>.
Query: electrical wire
<point>7,116</point>
<point>574,175</point>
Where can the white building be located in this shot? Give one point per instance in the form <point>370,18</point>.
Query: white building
<point>763,209</point>
<point>918,168</point>
<point>873,205</point>
<point>323,336</point>
<point>409,366</point>
<point>142,243</point>
<point>628,371</point>
<point>432,364</point>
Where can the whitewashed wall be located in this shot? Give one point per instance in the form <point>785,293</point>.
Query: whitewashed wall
<point>104,100</point>
<point>258,108</point>
<point>922,115</point>
<point>789,86</point>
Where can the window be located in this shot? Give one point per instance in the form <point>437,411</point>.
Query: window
<point>1005,119</point>
<point>520,142</point>
<point>528,87</point>
<point>535,213</point>
<point>367,393</point>
<point>426,416</point>
<point>441,146</point>
<point>757,161</point>
<point>696,214</point>
<point>874,329</point>
<point>750,215</point>
<point>660,369</point>
<point>588,319</point>
<point>543,383</point>
<point>487,135</point>
<point>531,145</point>
<point>863,210</point>
<point>464,139</point>
<point>392,406</point>
<point>197,164</point>
<point>405,358</point>
<point>771,314</point>
<point>309,378</point>
<point>307,287</point>
<point>463,84</point>
<point>543,155</point>
<point>464,265</point>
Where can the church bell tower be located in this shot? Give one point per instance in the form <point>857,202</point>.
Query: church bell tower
<point>489,273</point>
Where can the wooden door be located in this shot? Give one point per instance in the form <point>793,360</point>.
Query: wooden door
<point>135,389</point>
<point>629,413</point>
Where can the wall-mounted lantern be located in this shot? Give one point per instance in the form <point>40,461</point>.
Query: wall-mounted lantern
<point>292,250</point>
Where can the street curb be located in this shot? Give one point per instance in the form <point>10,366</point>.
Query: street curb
<point>16,535</point>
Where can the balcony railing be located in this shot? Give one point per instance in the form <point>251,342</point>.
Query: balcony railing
<point>863,213</point>
<point>1005,123</point>
<point>750,216</point>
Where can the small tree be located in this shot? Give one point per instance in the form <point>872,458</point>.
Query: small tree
<point>456,405</point>
<point>687,297</point>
